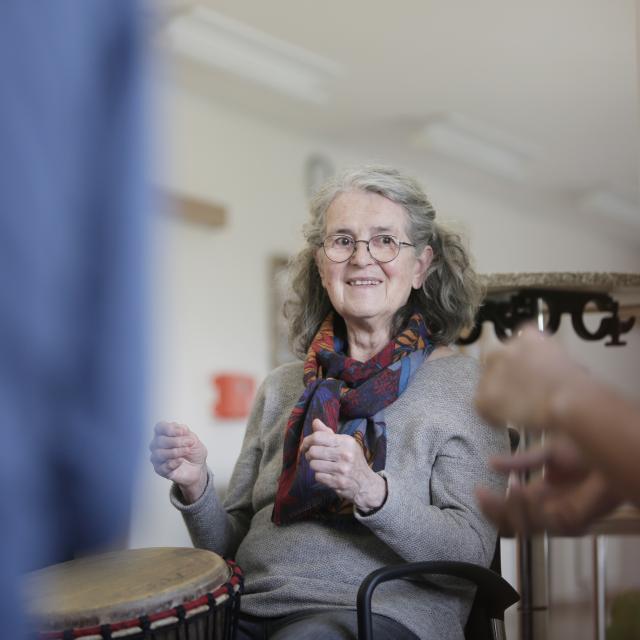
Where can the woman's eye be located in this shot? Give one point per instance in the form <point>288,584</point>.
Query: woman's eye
<point>386,240</point>
<point>343,241</point>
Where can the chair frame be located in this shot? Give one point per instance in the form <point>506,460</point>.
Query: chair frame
<point>493,595</point>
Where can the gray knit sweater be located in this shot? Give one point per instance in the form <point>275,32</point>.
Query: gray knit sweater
<point>437,450</point>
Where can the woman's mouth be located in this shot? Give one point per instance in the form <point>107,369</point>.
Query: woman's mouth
<point>362,282</point>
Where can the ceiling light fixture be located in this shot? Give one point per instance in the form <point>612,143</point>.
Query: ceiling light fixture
<point>477,144</point>
<point>608,204</point>
<point>235,48</point>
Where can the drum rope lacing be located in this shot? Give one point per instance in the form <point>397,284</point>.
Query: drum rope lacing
<point>209,601</point>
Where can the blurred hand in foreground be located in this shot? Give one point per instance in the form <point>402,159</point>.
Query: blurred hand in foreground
<point>526,382</point>
<point>563,500</point>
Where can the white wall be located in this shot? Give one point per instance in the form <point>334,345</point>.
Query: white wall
<point>212,285</point>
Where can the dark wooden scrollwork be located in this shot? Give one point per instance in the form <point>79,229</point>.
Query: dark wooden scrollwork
<point>508,311</point>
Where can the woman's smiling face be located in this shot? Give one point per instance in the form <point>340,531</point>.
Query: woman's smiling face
<point>364,292</point>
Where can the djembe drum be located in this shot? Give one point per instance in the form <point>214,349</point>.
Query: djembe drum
<point>155,594</point>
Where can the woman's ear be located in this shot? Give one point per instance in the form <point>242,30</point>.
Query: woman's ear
<point>423,262</point>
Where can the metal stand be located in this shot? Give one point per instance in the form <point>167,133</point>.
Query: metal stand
<point>533,553</point>
<point>533,579</point>
<point>599,608</point>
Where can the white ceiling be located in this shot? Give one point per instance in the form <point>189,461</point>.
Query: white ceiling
<point>557,79</point>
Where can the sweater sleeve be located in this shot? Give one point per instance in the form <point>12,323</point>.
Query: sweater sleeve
<point>221,527</point>
<point>442,521</point>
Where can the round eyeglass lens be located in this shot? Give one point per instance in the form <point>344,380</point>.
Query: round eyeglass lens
<point>339,248</point>
<point>383,248</point>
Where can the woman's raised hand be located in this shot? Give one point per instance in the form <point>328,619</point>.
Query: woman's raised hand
<point>178,455</point>
<point>339,463</point>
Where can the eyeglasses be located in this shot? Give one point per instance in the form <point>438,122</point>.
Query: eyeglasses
<point>382,248</point>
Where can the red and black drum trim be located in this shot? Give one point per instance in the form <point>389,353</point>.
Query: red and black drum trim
<point>224,599</point>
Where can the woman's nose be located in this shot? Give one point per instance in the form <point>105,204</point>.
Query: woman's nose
<point>361,255</point>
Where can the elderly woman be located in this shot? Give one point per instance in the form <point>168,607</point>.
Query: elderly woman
<point>367,452</point>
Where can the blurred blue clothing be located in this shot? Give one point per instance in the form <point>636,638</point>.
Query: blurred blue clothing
<point>73,208</point>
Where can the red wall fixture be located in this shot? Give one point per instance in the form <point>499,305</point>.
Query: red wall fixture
<point>235,393</point>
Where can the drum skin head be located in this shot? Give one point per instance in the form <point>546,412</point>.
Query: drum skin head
<point>112,587</point>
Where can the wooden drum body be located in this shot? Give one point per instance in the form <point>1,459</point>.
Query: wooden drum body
<point>159,593</point>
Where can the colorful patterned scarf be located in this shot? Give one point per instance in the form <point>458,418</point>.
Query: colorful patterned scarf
<point>349,397</point>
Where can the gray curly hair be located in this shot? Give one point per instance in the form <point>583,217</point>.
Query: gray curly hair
<point>451,292</point>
